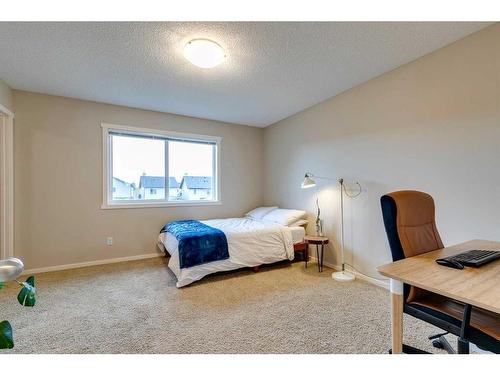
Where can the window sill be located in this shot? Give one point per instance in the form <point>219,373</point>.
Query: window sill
<point>158,205</point>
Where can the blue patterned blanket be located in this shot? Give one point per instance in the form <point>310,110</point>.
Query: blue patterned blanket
<point>198,242</point>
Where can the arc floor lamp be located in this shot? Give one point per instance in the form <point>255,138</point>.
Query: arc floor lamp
<point>309,182</point>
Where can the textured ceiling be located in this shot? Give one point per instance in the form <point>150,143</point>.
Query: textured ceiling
<point>272,70</point>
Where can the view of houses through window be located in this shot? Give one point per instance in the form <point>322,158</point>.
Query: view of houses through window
<point>139,169</point>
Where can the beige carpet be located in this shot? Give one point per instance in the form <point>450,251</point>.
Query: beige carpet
<point>134,307</point>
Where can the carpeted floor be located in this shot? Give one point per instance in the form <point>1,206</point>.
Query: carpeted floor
<point>134,307</point>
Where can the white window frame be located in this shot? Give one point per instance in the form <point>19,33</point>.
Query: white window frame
<point>107,167</point>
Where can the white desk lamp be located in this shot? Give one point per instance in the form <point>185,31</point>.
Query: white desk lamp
<point>309,183</point>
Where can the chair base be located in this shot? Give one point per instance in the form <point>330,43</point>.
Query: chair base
<point>407,349</point>
<point>442,343</point>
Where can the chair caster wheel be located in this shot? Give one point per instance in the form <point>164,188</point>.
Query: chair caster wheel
<point>437,344</point>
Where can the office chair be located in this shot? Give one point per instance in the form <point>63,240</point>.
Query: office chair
<point>409,219</point>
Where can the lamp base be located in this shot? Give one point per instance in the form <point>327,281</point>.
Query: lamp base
<point>343,276</point>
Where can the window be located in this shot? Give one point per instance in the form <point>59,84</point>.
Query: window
<point>144,168</point>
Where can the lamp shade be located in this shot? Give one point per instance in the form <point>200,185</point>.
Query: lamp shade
<point>204,53</point>
<point>308,182</point>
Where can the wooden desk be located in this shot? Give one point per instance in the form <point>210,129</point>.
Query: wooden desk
<point>475,286</point>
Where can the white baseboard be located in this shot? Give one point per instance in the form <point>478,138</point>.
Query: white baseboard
<point>371,280</point>
<point>91,263</point>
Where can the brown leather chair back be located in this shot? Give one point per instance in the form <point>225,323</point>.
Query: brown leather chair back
<point>412,213</point>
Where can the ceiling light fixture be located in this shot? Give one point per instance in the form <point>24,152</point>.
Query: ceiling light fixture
<point>204,53</point>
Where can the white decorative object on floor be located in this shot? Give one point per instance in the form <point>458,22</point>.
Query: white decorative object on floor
<point>10,269</point>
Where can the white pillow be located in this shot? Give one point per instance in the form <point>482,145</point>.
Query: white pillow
<point>298,223</point>
<point>284,217</point>
<point>259,212</point>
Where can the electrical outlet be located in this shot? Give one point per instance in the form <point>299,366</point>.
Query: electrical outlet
<point>109,241</point>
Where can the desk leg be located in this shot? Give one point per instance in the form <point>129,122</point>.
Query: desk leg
<point>397,316</point>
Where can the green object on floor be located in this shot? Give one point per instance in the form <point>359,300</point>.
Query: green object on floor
<point>6,341</point>
<point>26,297</point>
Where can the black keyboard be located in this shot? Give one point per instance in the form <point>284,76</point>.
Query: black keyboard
<point>475,258</point>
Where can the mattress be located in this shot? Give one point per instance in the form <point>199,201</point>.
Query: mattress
<point>298,234</point>
<point>251,243</point>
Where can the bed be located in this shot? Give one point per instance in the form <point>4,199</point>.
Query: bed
<point>252,241</point>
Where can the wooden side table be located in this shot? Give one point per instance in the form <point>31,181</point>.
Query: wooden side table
<point>320,243</point>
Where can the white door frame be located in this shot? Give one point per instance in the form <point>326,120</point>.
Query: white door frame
<point>6,183</point>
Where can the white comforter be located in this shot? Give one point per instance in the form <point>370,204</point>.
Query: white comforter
<point>251,243</point>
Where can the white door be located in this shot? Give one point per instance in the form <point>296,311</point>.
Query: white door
<point>3,253</point>
<point>6,185</point>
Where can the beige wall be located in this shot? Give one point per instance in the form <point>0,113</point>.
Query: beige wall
<point>58,180</point>
<point>6,96</point>
<point>431,125</point>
